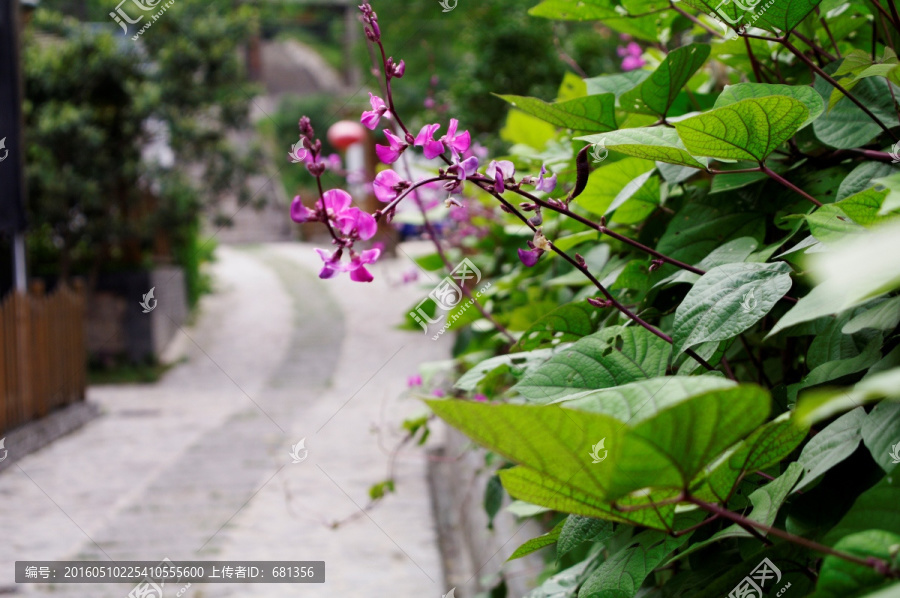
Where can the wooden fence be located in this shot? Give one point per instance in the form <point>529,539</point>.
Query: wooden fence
<point>42,353</point>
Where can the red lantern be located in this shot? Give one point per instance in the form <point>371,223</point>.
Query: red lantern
<point>345,133</point>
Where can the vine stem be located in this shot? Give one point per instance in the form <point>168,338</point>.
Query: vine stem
<point>697,21</point>
<point>775,176</point>
<point>877,564</point>
<point>485,185</point>
<point>813,66</point>
<point>603,229</point>
<point>440,251</point>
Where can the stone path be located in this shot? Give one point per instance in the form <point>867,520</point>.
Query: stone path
<point>198,465</point>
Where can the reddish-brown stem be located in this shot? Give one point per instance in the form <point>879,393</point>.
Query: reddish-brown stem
<point>736,171</point>
<point>486,186</point>
<point>775,176</point>
<point>440,251</point>
<point>607,231</point>
<point>814,46</point>
<point>828,33</point>
<point>403,195</point>
<point>753,61</point>
<point>697,21</point>
<point>874,563</point>
<point>793,49</point>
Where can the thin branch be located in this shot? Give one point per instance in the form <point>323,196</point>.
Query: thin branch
<point>774,175</point>
<point>879,565</point>
<point>793,49</point>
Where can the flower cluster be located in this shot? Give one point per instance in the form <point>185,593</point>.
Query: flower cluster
<point>348,224</point>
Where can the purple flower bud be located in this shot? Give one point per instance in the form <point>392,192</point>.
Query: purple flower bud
<point>399,69</point>
<point>316,168</point>
<point>601,303</point>
<point>305,127</point>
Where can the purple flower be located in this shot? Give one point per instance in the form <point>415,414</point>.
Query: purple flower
<point>546,185</point>
<point>409,276</point>
<point>333,162</point>
<point>371,117</point>
<point>357,267</point>
<point>457,143</point>
<point>414,381</point>
<point>438,393</point>
<point>300,213</point>
<point>462,170</point>
<point>391,152</point>
<point>631,56</point>
<point>530,257</point>
<point>480,398</point>
<point>358,273</point>
<point>426,140</point>
<point>536,249</point>
<point>388,185</point>
<point>334,202</point>
<point>298,153</point>
<point>332,263</point>
<point>500,171</point>
<point>358,222</point>
<point>429,103</point>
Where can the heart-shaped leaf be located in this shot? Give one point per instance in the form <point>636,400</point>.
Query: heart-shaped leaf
<point>747,130</point>
<point>650,143</point>
<point>656,94</point>
<point>803,93</point>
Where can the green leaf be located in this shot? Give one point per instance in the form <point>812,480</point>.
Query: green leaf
<point>846,126</point>
<point>589,113</point>
<point>716,419</point>
<point>536,544</point>
<point>810,98</point>
<point>881,434</point>
<point>622,574</point>
<point>734,251</point>
<point>891,202</point>
<point>830,446</point>
<point>766,501</point>
<point>572,87</point>
<point>566,497</point>
<point>606,184</point>
<point>838,368</point>
<point>820,404</point>
<point>862,177</point>
<point>526,129</point>
<point>698,228</point>
<point>656,94</point>
<point>650,143</point>
<point>493,499</point>
<point>574,10</point>
<point>767,446</point>
<point>747,130</point>
<point>884,316</point>
<point>565,324</point>
<point>578,530</point>
<point>597,361</point>
<point>568,242</point>
<point>637,401</point>
<point>728,300</point>
<point>853,271</point>
<point>616,84</point>
<point>839,578</point>
<point>876,508</point>
<point>520,361</point>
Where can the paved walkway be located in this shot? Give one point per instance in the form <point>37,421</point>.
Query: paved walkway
<point>198,465</point>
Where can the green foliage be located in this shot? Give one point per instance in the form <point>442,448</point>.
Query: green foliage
<point>720,382</point>
<point>95,100</point>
